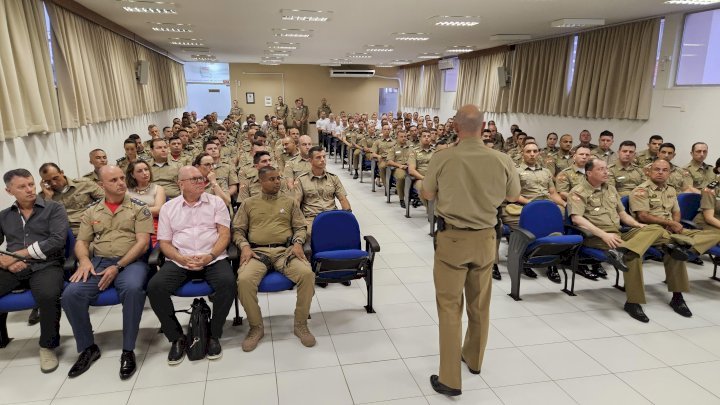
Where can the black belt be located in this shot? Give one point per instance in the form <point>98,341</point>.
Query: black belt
<point>271,245</point>
<point>457,228</point>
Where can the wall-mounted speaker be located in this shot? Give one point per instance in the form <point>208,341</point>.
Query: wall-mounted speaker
<point>141,72</point>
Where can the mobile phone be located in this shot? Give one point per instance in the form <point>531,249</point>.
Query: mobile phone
<point>712,185</point>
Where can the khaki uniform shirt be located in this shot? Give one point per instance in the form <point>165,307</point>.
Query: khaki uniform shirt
<point>282,111</point>
<point>625,179</point>
<point>400,154</point>
<point>297,114</point>
<point>78,197</point>
<point>680,179</point>
<point>316,194</point>
<point>457,174</point>
<point>421,159</point>
<point>250,185</point>
<point>701,174</point>
<point>609,157</point>
<point>123,162</point>
<point>112,235</point>
<point>382,147</point>
<point>228,153</point>
<point>324,108</point>
<point>569,178</point>
<point>710,200</point>
<point>658,201</point>
<point>644,158</point>
<point>91,176</point>
<point>535,182</point>
<point>353,136</point>
<point>601,206</point>
<point>268,219</point>
<point>283,158</point>
<point>226,176</point>
<point>558,163</point>
<point>182,160</point>
<point>296,166</point>
<point>166,175</point>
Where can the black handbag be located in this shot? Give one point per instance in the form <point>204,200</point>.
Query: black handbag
<point>198,330</point>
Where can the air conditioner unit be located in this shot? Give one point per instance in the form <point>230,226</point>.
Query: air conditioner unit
<point>444,64</point>
<point>358,73</point>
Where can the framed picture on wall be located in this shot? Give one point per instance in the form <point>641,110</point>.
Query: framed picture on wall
<point>250,98</point>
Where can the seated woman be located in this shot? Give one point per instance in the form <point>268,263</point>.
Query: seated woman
<point>707,218</point>
<point>205,164</point>
<point>140,186</point>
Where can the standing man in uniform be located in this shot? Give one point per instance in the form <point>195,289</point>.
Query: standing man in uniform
<point>282,111</point>
<point>296,115</point>
<point>465,242</point>
<point>119,228</point>
<point>98,158</point>
<point>74,195</point>
<point>324,108</point>
<point>269,229</point>
<point>624,174</point>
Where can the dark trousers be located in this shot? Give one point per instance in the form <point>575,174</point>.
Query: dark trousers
<point>130,287</point>
<point>46,287</point>
<point>171,276</point>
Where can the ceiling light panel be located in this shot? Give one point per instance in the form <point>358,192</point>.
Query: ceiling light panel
<point>195,49</point>
<point>332,64</point>
<point>460,49</point>
<point>577,22</point>
<point>305,15</point>
<point>411,36</point>
<point>455,21</point>
<point>378,48</point>
<point>170,27</point>
<point>292,33</point>
<point>429,55</point>
<point>148,7</point>
<point>283,46</point>
<point>510,37</point>
<point>400,62</point>
<point>186,43</point>
<point>359,55</point>
<point>204,58</point>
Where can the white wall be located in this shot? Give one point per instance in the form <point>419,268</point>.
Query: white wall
<point>70,148</point>
<point>682,115</point>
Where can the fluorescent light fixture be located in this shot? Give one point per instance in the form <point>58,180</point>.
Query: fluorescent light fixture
<point>378,48</point>
<point>204,58</point>
<point>400,62</point>
<point>510,37</point>
<point>149,10</point>
<point>277,54</point>
<point>305,15</point>
<point>270,63</point>
<point>384,66</point>
<point>170,27</point>
<point>339,60</point>
<point>285,46</point>
<point>692,2</point>
<point>292,33</point>
<point>148,7</point>
<point>577,22</point>
<point>195,49</point>
<point>359,55</point>
<point>332,64</point>
<point>455,20</point>
<point>186,43</point>
<point>460,49</point>
<point>429,55</point>
<point>411,36</point>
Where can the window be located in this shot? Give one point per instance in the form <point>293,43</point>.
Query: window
<point>700,50</point>
<point>450,77</point>
<point>659,47</point>
<point>571,65</point>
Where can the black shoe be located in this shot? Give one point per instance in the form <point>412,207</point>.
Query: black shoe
<point>616,257</point>
<point>676,252</point>
<point>636,311</point>
<point>441,388</point>
<point>469,369</point>
<point>86,359</point>
<point>127,365</point>
<point>599,271</point>
<point>355,176</point>
<point>402,203</point>
<point>679,306</point>
<point>214,350</point>
<point>34,317</point>
<point>177,351</point>
<point>529,272</point>
<point>586,272</point>
<point>346,283</point>
<point>696,260</point>
<point>496,272</point>
<point>322,285</point>
<point>553,275</point>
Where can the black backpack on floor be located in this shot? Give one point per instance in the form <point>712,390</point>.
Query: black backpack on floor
<point>198,330</point>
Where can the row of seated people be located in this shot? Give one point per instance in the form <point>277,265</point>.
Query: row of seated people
<point>113,218</point>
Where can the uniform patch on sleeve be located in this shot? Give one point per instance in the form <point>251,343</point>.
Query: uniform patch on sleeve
<point>562,176</point>
<point>146,212</point>
<point>639,192</point>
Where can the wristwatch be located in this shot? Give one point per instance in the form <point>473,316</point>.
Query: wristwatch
<point>120,268</point>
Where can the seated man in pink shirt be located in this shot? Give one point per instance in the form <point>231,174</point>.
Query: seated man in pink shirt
<point>194,233</point>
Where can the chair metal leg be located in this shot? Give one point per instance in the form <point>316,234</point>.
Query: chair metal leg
<point>373,165</point>
<point>408,186</point>
<point>360,166</point>
<point>369,282</point>
<point>573,267</point>
<point>515,264</point>
<point>388,178</point>
<point>715,267</point>
<point>335,151</point>
<point>4,338</point>
<point>617,281</point>
<point>342,155</point>
<point>238,319</point>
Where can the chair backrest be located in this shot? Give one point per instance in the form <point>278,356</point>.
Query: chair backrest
<point>542,217</point>
<point>69,243</point>
<point>335,230</point>
<point>689,205</point>
<point>626,203</point>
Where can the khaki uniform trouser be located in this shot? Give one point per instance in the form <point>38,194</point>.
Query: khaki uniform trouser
<point>356,159</point>
<point>382,166</point>
<point>252,272</point>
<point>418,186</point>
<point>638,240</point>
<point>462,268</point>
<point>400,176</point>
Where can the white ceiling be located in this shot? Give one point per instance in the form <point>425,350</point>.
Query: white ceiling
<point>238,31</point>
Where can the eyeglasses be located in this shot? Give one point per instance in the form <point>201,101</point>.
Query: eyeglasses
<point>196,180</point>
<point>207,164</point>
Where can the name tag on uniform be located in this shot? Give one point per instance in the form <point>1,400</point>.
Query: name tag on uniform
<point>621,178</point>
<point>655,199</point>
<point>397,152</point>
<point>596,209</point>
<point>282,210</point>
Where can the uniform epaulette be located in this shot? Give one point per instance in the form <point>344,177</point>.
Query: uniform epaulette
<point>304,174</point>
<point>328,173</point>
<point>93,203</point>
<point>122,159</point>
<point>137,202</point>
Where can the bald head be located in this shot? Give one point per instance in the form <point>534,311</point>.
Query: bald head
<point>106,172</point>
<point>468,120</point>
<point>187,172</point>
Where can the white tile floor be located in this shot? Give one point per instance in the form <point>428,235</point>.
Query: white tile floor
<point>548,348</point>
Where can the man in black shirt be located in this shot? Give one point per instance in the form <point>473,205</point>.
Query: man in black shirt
<point>35,229</point>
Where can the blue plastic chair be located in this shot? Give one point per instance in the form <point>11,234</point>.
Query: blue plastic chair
<point>336,251</point>
<point>689,206</point>
<point>23,299</point>
<point>541,240</point>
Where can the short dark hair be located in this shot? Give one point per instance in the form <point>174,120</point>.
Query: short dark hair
<point>154,141</point>
<point>134,136</point>
<point>655,138</point>
<point>627,143</point>
<point>607,133</point>
<point>164,128</point>
<point>668,145</point>
<point>129,141</point>
<point>259,155</point>
<point>692,148</point>
<point>590,164</point>
<point>551,133</point>
<point>46,166</point>
<point>314,149</point>
<point>129,179</point>
<point>260,134</point>
<point>263,170</point>
<point>211,139</point>
<point>486,131</point>
<point>174,137</point>
<point>198,158</point>
<point>11,174</point>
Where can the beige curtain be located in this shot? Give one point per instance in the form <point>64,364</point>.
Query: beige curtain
<point>539,76</point>
<point>410,84</point>
<point>95,70</point>
<point>478,82</point>
<point>614,72</point>
<point>430,88</point>
<point>28,103</point>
